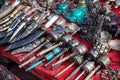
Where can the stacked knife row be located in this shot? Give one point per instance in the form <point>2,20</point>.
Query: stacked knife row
<point>30,27</point>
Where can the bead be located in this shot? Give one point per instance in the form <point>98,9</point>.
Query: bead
<point>56,51</point>
<point>49,56</point>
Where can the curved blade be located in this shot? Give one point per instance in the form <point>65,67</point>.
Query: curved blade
<point>25,41</point>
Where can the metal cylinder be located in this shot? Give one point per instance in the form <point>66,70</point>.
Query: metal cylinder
<point>104,61</point>
<point>49,17</point>
<point>66,38</point>
<point>48,45</point>
<point>77,59</point>
<point>80,49</point>
<point>71,27</point>
<point>92,73</point>
<point>56,33</point>
<point>94,54</point>
<point>89,66</point>
<point>73,43</point>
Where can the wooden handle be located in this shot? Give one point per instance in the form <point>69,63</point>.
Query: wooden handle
<point>18,9</point>
<point>6,12</point>
<point>9,10</point>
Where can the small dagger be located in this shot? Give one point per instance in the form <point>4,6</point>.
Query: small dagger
<point>22,25</point>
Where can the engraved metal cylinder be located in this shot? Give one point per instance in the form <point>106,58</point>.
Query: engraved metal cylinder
<point>104,61</point>
<point>77,59</point>
<point>56,33</point>
<point>73,43</point>
<point>70,27</point>
<point>89,66</point>
<point>80,49</point>
<point>48,45</point>
<point>66,38</point>
<point>94,54</point>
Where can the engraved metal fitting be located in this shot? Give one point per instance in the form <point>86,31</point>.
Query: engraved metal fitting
<point>77,59</point>
<point>66,38</point>
<point>89,66</point>
<point>80,49</point>
<point>48,45</point>
<point>94,54</point>
<point>61,22</point>
<point>56,33</point>
<point>71,27</point>
<point>104,61</point>
<point>73,43</point>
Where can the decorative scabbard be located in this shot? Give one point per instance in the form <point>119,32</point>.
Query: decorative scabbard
<point>26,41</point>
<point>10,9</point>
<point>25,33</point>
<point>2,34</point>
<point>5,6</point>
<point>18,19</point>
<point>5,26</point>
<point>9,17</point>
<point>5,20</point>
<point>23,25</point>
<point>4,41</point>
<point>9,23</point>
<point>29,47</point>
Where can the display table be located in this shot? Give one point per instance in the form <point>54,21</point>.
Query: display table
<point>48,74</point>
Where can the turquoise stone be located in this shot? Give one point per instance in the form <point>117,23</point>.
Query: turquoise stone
<point>61,8</point>
<point>76,15</point>
<point>56,51</point>
<point>49,56</point>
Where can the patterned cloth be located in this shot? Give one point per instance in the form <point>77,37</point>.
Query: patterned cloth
<point>5,74</point>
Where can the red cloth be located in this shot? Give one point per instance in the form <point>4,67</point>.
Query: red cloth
<point>48,74</point>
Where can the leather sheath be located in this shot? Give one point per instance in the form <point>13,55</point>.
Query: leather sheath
<point>25,33</point>
<point>29,47</point>
<point>35,35</point>
<point>16,21</point>
<point>2,34</point>
<point>4,41</point>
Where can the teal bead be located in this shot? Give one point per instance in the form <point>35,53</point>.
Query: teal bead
<point>76,15</point>
<point>56,51</point>
<point>8,76</point>
<point>33,66</point>
<point>62,7</point>
<point>49,56</point>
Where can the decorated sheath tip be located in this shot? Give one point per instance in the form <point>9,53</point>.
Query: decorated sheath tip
<point>14,53</point>
<point>9,29</point>
<point>8,34</point>
<point>7,49</point>
<point>11,39</point>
